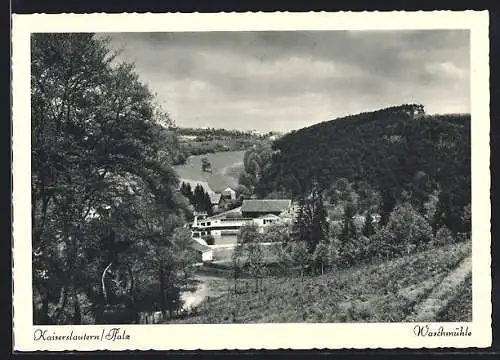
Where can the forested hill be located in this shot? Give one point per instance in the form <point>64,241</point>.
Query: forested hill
<point>399,151</point>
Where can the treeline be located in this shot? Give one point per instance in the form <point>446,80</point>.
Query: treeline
<point>367,187</point>
<point>213,140</point>
<point>320,240</point>
<point>211,132</point>
<point>198,198</point>
<point>400,152</point>
<point>256,160</point>
<point>108,239</point>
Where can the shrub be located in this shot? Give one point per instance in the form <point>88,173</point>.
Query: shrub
<point>321,257</point>
<point>300,256</point>
<point>444,236</point>
<point>406,231</point>
<point>209,239</point>
<point>278,232</point>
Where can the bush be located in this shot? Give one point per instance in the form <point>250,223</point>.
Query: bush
<point>278,232</point>
<point>444,236</point>
<point>356,251</point>
<point>405,232</point>
<point>209,239</point>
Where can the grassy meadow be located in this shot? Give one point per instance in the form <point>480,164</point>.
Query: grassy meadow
<point>226,168</point>
<point>380,292</point>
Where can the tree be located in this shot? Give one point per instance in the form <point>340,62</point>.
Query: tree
<point>278,232</point>
<point>397,150</point>
<point>444,236</point>
<point>321,257</point>
<point>255,262</point>
<point>247,180</point>
<point>348,227</point>
<point>249,234</point>
<point>207,204</point>
<point>187,191</point>
<point>206,166</point>
<point>237,263</point>
<point>467,218</point>
<point>405,231</point>
<point>199,198</point>
<point>310,224</point>
<point>98,155</point>
<point>368,228</point>
<point>300,256</point>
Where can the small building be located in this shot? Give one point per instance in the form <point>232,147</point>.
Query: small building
<point>229,193</point>
<point>215,200</point>
<point>258,208</point>
<point>265,220</point>
<point>259,212</point>
<point>203,252</point>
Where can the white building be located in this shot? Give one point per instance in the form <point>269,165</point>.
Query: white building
<point>229,193</point>
<point>258,212</point>
<point>204,252</point>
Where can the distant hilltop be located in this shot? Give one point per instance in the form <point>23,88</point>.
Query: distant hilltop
<point>192,133</point>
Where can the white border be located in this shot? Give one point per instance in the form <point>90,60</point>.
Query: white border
<point>252,336</point>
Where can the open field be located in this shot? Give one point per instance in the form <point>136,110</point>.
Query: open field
<point>226,168</point>
<point>385,292</point>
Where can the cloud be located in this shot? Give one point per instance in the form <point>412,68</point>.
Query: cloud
<point>286,80</point>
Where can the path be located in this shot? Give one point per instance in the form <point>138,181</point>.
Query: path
<point>194,298</point>
<point>442,293</point>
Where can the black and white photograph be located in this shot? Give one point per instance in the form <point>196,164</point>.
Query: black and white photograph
<point>251,177</point>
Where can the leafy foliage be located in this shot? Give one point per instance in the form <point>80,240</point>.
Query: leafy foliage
<point>378,292</point>
<point>103,199</point>
<point>194,141</point>
<point>400,152</point>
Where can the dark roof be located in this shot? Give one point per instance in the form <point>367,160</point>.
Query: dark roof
<point>265,206</point>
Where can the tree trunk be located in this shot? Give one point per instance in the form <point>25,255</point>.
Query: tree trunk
<point>163,300</point>
<point>60,305</point>
<point>77,317</point>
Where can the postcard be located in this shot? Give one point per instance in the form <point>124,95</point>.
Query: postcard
<point>251,181</point>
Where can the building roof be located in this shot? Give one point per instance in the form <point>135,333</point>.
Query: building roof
<point>265,206</point>
<point>236,212</point>
<point>269,216</point>
<point>214,197</point>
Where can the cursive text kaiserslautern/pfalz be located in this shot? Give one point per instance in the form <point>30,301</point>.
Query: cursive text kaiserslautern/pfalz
<point>113,334</point>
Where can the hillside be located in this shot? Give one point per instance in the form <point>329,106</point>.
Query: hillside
<point>395,150</point>
<point>197,141</point>
<point>226,167</point>
<point>392,291</point>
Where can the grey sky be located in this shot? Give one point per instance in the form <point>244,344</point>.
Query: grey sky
<point>288,80</point>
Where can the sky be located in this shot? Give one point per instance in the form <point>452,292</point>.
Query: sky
<point>281,81</point>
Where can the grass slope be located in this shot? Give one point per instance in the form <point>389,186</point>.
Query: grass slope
<point>226,168</point>
<point>385,292</point>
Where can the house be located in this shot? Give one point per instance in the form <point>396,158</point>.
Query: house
<point>203,252</point>
<point>215,200</point>
<point>229,193</point>
<point>265,220</point>
<point>257,208</point>
<point>261,213</point>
